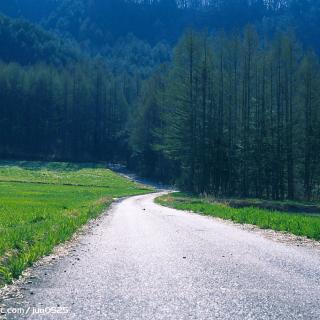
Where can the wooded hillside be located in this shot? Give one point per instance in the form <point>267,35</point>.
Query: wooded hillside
<point>233,116</point>
<point>233,112</point>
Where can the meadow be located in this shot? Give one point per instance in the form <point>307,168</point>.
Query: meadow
<point>299,224</point>
<point>43,204</point>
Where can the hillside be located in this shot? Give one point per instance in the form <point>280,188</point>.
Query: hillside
<point>244,98</point>
<point>26,43</point>
<point>97,23</point>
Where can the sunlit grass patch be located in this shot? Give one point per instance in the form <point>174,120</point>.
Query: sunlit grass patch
<point>43,204</point>
<point>295,223</point>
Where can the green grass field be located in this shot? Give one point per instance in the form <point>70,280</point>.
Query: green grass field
<point>43,204</point>
<point>298,224</point>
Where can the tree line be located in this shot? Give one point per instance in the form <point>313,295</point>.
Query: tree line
<point>233,116</point>
<point>229,115</point>
<point>76,112</point>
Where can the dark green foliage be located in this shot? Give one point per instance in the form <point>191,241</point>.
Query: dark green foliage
<point>147,130</point>
<point>77,112</point>
<point>27,44</point>
<point>96,23</point>
<point>34,10</point>
<point>229,115</point>
<point>134,56</point>
<point>239,116</point>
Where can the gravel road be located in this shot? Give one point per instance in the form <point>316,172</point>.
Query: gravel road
<point>144,261</point>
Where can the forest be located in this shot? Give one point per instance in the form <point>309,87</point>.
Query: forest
<point>233,116</point>
<point>98,24</point>
<point>228,107</point>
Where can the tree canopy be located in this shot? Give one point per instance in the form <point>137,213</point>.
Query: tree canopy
<point>216,96</point>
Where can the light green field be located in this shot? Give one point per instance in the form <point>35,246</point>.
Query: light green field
<point>43,204</point>
<point>295,223</point>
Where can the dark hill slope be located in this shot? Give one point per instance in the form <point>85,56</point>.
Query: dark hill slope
<point>26,43</point>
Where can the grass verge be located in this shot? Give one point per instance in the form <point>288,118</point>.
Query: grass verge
<point>43,204</point>
<point>294,223</point>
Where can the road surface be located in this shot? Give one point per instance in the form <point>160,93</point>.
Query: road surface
<point>144,261</point>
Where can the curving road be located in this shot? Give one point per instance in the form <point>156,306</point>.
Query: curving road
<point>148,262</point>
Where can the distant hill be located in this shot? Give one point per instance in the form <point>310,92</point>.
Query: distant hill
<point>33,10</point>
<point>95,24</point>
<point>26,43</point>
